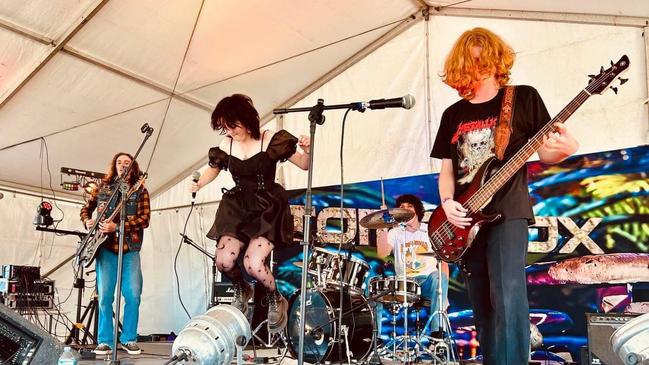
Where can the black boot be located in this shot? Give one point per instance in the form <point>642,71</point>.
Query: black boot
<point>242,293</point>
<point>277,312</point>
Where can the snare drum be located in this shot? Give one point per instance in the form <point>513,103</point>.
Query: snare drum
<point>394,289</point>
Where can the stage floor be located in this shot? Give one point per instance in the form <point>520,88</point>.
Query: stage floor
<point>159,352</point>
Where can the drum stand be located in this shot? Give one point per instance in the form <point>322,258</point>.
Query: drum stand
<point>445,344</point>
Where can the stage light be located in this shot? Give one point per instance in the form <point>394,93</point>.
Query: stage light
<point>90,187</point>
<point>70,185</point>
<point>213,338</point>
<point>43,217</point>
<point>631,341</point>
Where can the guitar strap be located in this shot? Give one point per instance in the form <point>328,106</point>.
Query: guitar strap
<point>504,126</point>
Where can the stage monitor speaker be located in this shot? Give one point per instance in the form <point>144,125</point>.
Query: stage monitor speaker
<point>23,343</point>
<point>600,328</point>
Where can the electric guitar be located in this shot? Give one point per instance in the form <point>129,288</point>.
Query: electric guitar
<point>449,242</point>
<point>90,245</point>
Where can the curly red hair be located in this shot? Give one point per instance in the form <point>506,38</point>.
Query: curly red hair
<point>463,72</point>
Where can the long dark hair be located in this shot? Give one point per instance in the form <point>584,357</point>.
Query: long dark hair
<point>111,172</point>
<point>234,109</point>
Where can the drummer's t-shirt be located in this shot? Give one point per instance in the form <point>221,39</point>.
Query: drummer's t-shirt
<point>415,242</point>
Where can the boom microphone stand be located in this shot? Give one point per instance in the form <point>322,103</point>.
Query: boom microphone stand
<point>316,117</point>
<point>189,241</point>
<point>123,189</point>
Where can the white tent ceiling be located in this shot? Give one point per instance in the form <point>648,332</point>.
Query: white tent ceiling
<point>85,75</point>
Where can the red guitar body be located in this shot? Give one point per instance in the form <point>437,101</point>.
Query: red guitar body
<point>451,242</point>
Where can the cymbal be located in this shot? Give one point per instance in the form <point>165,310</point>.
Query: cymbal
<point>386,218</point>
<point>298,263</point>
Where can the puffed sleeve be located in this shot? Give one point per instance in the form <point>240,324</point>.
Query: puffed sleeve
<point>282,146</point>
<point>218,159</point>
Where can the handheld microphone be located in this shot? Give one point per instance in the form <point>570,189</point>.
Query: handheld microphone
<point>195,176</point>
<point>406,102</point>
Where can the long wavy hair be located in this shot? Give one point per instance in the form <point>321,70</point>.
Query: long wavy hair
<point>463,72</point>
<point>111,172</point>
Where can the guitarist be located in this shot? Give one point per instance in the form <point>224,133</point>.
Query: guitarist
<point>478,67</point>
<point>138,211</point>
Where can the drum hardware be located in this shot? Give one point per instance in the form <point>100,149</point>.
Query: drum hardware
<point>444,345</point>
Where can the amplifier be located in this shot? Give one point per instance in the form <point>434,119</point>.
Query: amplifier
<point>600,328</point>
<point>29,301</point>
<point>17,286</point>
<point>224,293</point>
<point>22,273</point>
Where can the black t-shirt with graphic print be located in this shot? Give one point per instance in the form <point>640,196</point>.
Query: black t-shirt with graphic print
<point>466,136</point>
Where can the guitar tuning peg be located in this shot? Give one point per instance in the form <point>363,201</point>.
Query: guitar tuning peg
<point>601,69</point>
<point>591,76</point>
<point>612,63</point>
<point>614,89</point>
<point>622,81</point>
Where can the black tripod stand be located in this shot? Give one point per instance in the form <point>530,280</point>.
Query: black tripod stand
<point>84,321</point>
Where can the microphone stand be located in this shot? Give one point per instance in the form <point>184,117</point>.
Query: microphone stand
<point>189,241</point>
<point>315,117</point>
<point>123,189</point>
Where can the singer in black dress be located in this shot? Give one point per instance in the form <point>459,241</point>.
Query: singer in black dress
<point>253,217</point>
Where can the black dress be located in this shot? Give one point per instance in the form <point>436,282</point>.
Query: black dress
<point>256,206</point>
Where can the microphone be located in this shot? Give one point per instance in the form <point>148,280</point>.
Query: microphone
<point>195,176</point>
<point>406,102</point>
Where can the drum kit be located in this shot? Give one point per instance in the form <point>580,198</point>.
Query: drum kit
<point>340,319</point>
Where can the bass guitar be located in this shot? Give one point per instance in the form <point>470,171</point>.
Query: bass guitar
<point>449,242</point>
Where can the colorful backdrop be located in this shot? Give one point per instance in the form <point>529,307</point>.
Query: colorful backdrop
<point>588,249</point>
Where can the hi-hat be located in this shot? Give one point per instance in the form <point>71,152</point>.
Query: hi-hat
<point>386,218</point>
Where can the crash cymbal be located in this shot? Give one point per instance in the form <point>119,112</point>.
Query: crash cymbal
<point>386,218</point>
<point>298,263</point>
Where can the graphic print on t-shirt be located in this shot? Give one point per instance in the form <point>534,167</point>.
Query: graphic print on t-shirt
<point>475,144</point>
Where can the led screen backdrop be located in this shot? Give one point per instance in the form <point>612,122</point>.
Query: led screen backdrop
<point>588,250</point>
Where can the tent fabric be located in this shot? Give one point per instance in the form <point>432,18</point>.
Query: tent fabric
<point>117,72</point>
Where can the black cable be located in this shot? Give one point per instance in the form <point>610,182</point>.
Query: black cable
<point>176,261</point>
<point>49,172</point>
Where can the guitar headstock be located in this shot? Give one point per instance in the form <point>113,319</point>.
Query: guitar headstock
<point>602,81</point>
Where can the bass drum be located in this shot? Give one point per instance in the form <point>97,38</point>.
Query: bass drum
<point>320,340</point>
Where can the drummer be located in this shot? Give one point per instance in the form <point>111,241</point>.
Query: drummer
<point>412,237</point>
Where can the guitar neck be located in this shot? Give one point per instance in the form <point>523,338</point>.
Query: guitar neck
<point>486,192</point>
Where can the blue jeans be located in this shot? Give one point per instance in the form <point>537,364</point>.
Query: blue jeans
<point>106,268</point>
<point>497,290</point>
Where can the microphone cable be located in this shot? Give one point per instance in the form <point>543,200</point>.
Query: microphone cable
<point>176,262</point>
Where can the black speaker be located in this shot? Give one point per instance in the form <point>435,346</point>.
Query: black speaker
<point>600,328</point>
<point>22,342</point>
